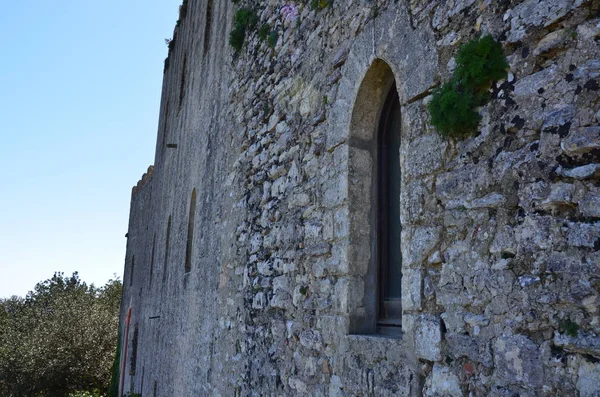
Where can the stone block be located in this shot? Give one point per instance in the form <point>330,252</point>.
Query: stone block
<point>588,379</point>
<point>533,13</point>
<point>584,234</point>
<point>517,361</point>
<point>412,280</point>
<point>442,382</point>
<point>418,243</point>
<point>428,338</point>
<point>582,141</point>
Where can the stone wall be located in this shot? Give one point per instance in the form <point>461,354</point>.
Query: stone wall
<point>500,232</point>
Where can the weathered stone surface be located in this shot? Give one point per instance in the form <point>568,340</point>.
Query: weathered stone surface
<point>442,382</point>
<point>530,85</point>
<point>584,234</point>
<point>588,171</point>
<point>585,140</point>
<point>533,13</point>
<point>587,381</point>
<point>428,338</point>
<point>517,361</point>
<point>590,204</point>
<point>582,343</point>
<point>500,230</point>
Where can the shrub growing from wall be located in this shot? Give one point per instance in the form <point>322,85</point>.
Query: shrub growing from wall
<point>479,63</point>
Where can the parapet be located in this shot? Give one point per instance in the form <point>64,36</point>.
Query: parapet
<point>142,182</point>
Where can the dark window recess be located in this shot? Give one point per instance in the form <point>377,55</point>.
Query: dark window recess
<point>165,124</point>
<point>152,258</point>
<point>388,214</point>
<point>132,268</point>
<point>190,234</point>
<point>207,27</point>
<point>134,346</point>
<point>164,277</point>
<point>182,83</point>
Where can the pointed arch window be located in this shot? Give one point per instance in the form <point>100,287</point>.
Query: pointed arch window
<point>374,253</point>
<point>389,229</point>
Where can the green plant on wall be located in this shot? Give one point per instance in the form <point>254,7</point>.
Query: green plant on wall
<point>479,63</point>
<point>263,32</point>
<point>273,37</point>
<point>320,4</point>
<point>244,20</point>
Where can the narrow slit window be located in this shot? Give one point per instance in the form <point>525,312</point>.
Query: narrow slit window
<point>134,349</point>
<point>167,249</point>
<point>182,84</point>
<point>165,124</point>
<point>207,26</point>
<point>190,234</point>
<point>388,213</point>
<point>132,269</point>
<point>152,258</point>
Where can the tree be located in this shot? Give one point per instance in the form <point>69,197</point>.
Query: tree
<point>59,338</point>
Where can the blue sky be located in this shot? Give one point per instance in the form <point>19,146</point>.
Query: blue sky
<point>80,85</point>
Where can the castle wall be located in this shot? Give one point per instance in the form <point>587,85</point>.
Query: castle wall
<point>500,232</point>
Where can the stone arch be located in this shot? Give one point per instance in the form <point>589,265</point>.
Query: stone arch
<point>388,49</point>
<point>363,196</point>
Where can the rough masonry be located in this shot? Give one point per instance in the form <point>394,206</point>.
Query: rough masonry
<point>500,232</point>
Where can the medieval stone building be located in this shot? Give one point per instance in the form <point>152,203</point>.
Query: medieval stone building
<point>287,170</point>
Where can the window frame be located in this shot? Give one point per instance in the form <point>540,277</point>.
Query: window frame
<point>389,310</point>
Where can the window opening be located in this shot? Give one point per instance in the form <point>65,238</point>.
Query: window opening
<point>190,234</point>
<point>182,84</point>
<point>165,124</point>
<point>132,268</point>
<point>152,258</point>
<point>167,249</point>
<point>134,348</point>
<point>207,27</point>
<point>389,229</point>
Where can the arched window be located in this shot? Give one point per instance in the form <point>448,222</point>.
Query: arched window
<point>374,179</point>
<point>389,255</point>
<point>190,234</point>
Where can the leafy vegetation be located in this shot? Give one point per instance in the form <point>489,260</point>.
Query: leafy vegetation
<point>569,328</point>
<point>479,63</point>
<point>320,4</point>
<point>273,37</point>
<point>263,32</point>
<point>59,339</point>
<point>244,20</point>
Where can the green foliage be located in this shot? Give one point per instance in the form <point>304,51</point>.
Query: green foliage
<point>263,32</point>
<point>93,393</point>
<point>320,4</point>
<point>244,20</point>
<point>115,375</point>
<point>569,328</point>
<point>479,63</point>
<point>59,339</point>
<point>452,110</point>
<point>273,37</point>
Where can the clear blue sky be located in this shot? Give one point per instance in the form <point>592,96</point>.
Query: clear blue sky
<point>80,85</point>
